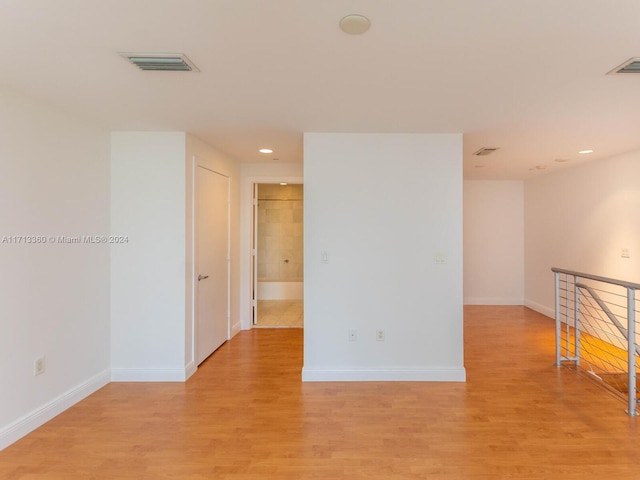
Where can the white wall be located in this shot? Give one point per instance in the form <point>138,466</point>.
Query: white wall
<point>272,170</point>
<point>54,298</point>
<point>256,173</point>
<point>382,206</point>
<point>493,242</point>
<point>148,292</point>
<point>152,275</point>
<point>580,219</point>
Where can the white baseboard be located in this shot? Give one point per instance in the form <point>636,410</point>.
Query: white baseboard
<point>150,374</point>
<point>543,309</point>
<point>235,329</point>
<point>190,369</point>
<point>442,374</point>
<point>38,417</point>
<point>493,301</point>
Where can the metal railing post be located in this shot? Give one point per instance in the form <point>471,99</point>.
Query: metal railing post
<point>631,349</point>
<point>558,336</point>
<point>576,320</point>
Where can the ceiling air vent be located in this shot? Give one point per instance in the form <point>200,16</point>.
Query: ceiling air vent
<point>630,66</point>
<point>161,62</point>
<point>484,151</point>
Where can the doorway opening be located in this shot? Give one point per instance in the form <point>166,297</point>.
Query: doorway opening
<point>278,255</point>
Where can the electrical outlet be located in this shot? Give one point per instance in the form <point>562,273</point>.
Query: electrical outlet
<point>439,258</point>
<point>380,335</point>
<point>353,334</point>
<point>38,366</point>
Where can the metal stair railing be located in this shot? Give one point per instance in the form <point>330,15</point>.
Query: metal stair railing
<point>591,312</point>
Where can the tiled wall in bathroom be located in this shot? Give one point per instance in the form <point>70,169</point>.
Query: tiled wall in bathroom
<point>280,243</point>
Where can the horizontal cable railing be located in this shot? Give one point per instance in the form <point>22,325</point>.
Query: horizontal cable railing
<point>596,329</point>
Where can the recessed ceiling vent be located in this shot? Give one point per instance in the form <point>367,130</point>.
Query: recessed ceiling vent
<point>161,62</point>
<point>630,66</point>
<point>485,151</point>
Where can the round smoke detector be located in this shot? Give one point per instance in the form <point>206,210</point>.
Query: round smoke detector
<point>355,24</point>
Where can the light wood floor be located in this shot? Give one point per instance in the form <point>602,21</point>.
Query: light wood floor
<point>246,415</point>
<point>280,313</point>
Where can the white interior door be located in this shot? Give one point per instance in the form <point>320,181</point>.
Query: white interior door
<point>212,261</point>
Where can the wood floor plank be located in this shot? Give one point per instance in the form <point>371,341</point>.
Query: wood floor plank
<point>246,415</point>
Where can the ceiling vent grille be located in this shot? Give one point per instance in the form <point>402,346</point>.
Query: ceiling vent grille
<point>484,151</point>
<point>161,62</point>
<point>630,66</point>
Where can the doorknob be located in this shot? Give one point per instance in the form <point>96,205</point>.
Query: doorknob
<point>200,277</point>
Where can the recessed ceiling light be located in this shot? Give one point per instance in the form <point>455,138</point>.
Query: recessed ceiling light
<point>583,152</point>
<point>561,160</point>
<point>354,24</point>
<point>283,183</point>
<point>266,150</point>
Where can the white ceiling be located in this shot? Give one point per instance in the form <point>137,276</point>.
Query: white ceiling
<point>525,76</point>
